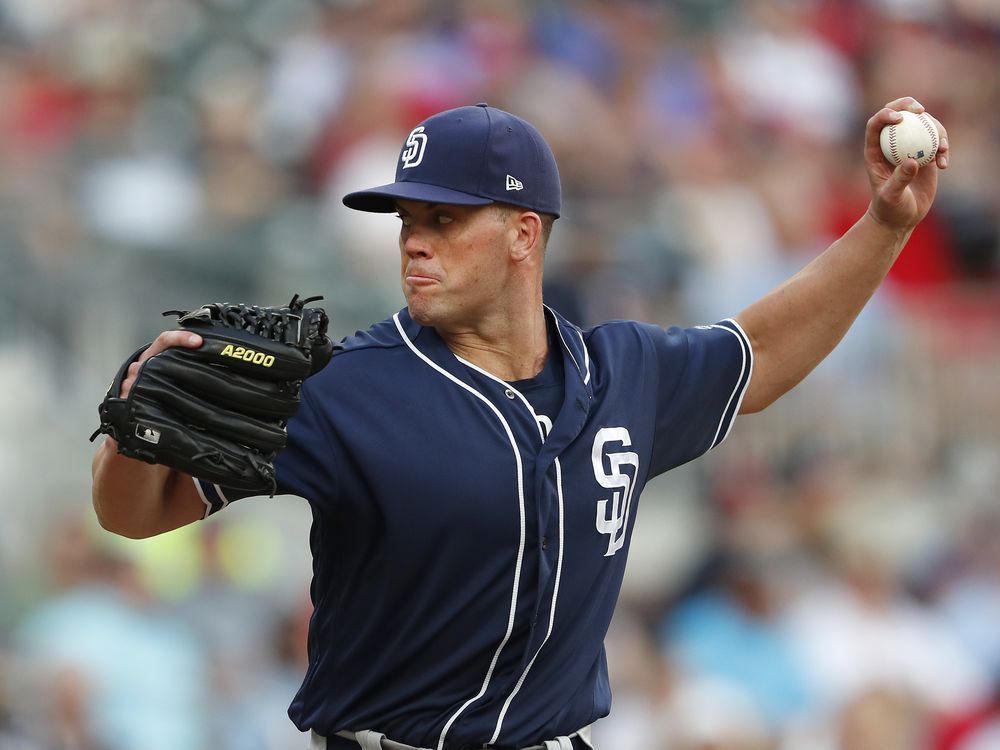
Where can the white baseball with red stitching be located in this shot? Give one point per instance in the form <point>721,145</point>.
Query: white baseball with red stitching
<point>914,136</point>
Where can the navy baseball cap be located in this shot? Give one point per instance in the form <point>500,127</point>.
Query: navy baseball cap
<point>470,156</point>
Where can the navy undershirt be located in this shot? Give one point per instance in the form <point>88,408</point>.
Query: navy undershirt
<point>545,391</point>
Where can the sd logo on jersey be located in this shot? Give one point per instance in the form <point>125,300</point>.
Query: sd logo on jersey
<point>615,522</point>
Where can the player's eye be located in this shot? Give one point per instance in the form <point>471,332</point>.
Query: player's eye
<point>406,220</point>
<point>444,219</point>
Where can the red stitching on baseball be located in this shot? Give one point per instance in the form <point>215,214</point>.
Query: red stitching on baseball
<point>930,129</point>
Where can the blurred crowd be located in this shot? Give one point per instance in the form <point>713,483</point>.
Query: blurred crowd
<point>829,579</point>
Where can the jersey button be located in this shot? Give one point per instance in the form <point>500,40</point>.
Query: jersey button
<point>509,394</point>
<point>545,542</point>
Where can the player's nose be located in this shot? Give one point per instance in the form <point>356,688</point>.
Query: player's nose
<point>415,245</point>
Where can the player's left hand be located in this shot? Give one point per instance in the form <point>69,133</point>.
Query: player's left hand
<point>901,196</point>
<point>218,410</point>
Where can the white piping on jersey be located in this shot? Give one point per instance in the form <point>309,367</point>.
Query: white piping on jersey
<point>555,587</point>
<point>585,371</point>
<point>204,497</point>
<point>747,352</point>
<point>586,358</point>
<point>520,549</point>
<point>508,386</point>
<point>201,494</point>
<point>552,608</point>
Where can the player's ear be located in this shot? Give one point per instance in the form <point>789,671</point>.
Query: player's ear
<point>526,227</point>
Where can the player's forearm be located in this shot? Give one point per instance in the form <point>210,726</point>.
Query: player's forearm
<point>139,500</point>
<point>795,326</point>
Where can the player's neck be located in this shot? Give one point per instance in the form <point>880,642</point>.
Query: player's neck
<point>509,347</point>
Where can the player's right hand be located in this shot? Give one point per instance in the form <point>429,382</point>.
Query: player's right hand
<point>162,342</point>
<point>901,196</point>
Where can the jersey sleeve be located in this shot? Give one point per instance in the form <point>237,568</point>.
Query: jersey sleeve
<point>300,469</point>
<point>216,497</point>
<point>312,464</point>
<point>704,374</point>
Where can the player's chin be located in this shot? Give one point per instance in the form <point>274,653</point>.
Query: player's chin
<point>420,309</point>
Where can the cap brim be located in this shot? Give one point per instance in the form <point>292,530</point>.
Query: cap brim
<point>382,199</point>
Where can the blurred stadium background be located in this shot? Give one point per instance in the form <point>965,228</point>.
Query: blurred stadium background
<point>829,579</point>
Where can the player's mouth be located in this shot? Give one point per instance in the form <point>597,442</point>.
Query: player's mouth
<point>415,278</point>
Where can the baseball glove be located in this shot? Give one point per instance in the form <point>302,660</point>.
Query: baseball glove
<point>219,412</point>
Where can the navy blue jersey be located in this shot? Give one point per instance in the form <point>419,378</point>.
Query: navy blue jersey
<point>468,552</point>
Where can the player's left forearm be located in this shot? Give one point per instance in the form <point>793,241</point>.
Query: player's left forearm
<point>797,324</point>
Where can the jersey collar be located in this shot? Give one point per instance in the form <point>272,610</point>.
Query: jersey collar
<point>576,357</point>
<point>578,396</point>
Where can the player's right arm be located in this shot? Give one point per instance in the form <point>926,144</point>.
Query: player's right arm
<point>796,325</point>
<point>136,499</point>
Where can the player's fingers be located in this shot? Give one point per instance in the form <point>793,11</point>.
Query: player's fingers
<point>873,130</point>
<point>131,374</point>
<point>944,148</point>
<point>905,102</point>
<point>885,116</point>
<point>888,115</point>
<point>168,339</point>
<point>902,176</point>
<point>161,343</point>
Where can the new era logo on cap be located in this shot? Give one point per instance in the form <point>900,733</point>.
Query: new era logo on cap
<point>514,184</point>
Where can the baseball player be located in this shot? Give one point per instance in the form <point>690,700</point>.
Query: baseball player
<point>474,463</point>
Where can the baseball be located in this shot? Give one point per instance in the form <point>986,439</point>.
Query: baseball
<point>914,136</point>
